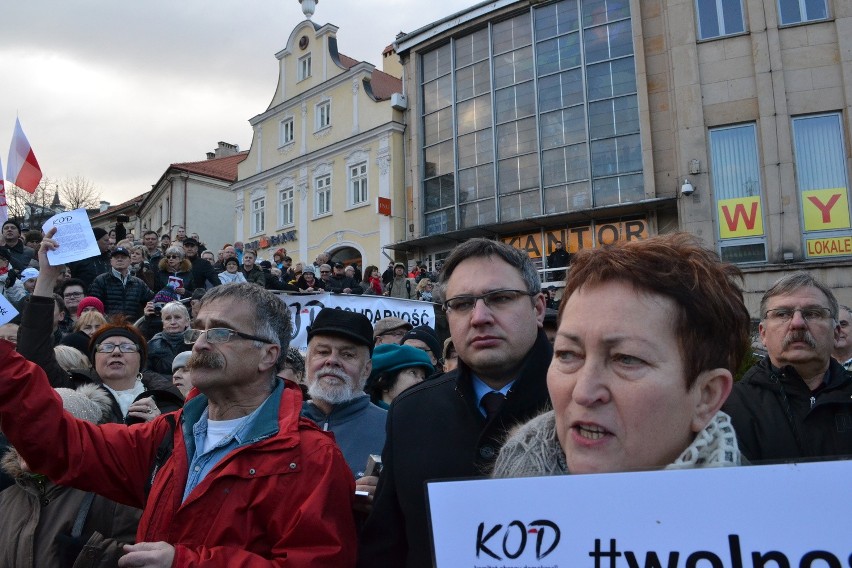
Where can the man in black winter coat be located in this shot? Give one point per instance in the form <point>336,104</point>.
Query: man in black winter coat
<point>557,259</point>
<point>453,426</point>
<point>203,273</point>
<point>19,255</point>
<point>90,268</point>
<point>342,284</point>
<point>120,292</point>
<point>797,402</point>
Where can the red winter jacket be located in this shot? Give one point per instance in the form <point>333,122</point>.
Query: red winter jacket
<point>283,500</point>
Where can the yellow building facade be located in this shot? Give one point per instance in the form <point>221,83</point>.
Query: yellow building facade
<point>325,152</point>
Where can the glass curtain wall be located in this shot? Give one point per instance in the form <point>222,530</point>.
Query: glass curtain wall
<point>534,114</point>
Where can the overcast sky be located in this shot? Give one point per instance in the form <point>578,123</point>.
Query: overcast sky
<point>115,91</point>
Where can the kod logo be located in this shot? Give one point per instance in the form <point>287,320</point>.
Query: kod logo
<point>61,220</point>
<point>514,539</point>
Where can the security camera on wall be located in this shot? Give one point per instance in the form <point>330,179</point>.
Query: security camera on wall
<point>687,188</point>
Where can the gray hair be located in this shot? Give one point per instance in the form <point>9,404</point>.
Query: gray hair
<point>175,250</point>
<point>175,308</point>
<point>271,315</point>
<point>478,248</point>
<point>791,283</point>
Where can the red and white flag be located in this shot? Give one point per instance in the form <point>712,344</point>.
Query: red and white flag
<point>22,168</point>
<point>4,210</point>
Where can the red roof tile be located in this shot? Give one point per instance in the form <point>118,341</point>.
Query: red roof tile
<point>220,168</point>
<point>114,208</point>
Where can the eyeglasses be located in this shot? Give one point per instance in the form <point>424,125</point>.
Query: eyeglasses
<point>70,295</point>
<point>172,256</point>
<point>813,313</point>
<point>219,335</point>
<point>123,347</point>
<point>495,300</point>
<point>393,333</point>
<point>325,271</point>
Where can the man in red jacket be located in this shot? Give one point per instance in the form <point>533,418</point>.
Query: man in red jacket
<point>236,478</point>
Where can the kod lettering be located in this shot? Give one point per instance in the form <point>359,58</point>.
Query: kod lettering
<point>63,219</point>
<point>542,535</point>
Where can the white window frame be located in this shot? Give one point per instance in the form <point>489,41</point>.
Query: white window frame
<point>322,195</point>
<point>258,215</point>
<point>719,14</point>
<point>286,206</point>
<point>322,115</point>
<point>304,67</point>
<point>358,185</point>
<point>287,131</point>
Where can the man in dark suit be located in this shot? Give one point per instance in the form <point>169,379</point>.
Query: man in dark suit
<point>452,426</point>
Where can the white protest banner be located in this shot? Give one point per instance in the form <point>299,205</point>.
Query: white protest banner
<point>305,307</point>
<point>7,310</point>
<point>778,516</point>
<point>74,235</point>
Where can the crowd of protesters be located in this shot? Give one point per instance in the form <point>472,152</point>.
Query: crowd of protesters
<point>184,400</point>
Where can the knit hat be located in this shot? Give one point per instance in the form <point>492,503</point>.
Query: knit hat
<point>99,233</point>
<point>390,357</point>
<point>425,334</point>
<point>10,222</point>
<point>165,296</point>
<point>310,269</point>
<point>28,274</point>
<point>180,360</point>
<point>189,241</point>
<point>232,260</point>
<point>351,325</point>
<point>89,402</point>
<point>90,302</point>
<point>387,324</point>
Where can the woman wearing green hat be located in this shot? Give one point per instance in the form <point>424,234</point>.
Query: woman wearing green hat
<point>395,368</point>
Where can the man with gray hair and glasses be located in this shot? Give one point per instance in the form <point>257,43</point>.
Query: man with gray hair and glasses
<point>796,403</point>
<point>235,478</point>
<point>453,426</point>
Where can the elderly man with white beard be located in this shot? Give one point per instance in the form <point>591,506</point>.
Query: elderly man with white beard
<point>338,364</point>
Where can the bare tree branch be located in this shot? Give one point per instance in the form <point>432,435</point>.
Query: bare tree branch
<point>77,192</point>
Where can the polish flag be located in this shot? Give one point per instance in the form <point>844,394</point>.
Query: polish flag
<point>4,211</point>
<point>22,168</point>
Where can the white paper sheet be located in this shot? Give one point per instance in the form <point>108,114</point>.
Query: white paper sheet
<point>74,235</point>
<point>7,310</point>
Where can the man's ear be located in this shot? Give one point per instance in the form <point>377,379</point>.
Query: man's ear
<point>711,390</point>
<point>269,358</point>
<point>539,305</point>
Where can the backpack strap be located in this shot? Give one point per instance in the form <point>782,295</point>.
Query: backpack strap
<point>82,514</point>
<point>164,452</point>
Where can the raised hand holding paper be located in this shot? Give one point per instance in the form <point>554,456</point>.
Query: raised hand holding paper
<point>74,235</point>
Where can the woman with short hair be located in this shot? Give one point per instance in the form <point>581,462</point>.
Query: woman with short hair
<point>165,345</point>
<point>650,334</point>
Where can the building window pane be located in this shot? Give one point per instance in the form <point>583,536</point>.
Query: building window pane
<point>476,183</point>
<point>512,34</point>
<point>556,19</point>
<point>323,115</point>
<point>513,67</point>
<point>305,67</point>
<point>472,48</point>
<point>477,213</point>
<point>608,42</point>
<point>438,126</point>
<point>436,63</point>
<point>520,206</point>
<point>515,102</point>
<point>358,184</point>
<point>473,80</point>
<point>719,18</point>
<point>257,215</point>
<point>286,132</point>
<point>476,148</point>
<point>819,152</point>
<point>516,138</point>
<point>558,54</point>
<point>601,11</point>
<point>796,11</point>
<point>474,114</point>
<point>322,195</point>
<point>734,164</point>
<point>285,207</point>
<point>437,94</point>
